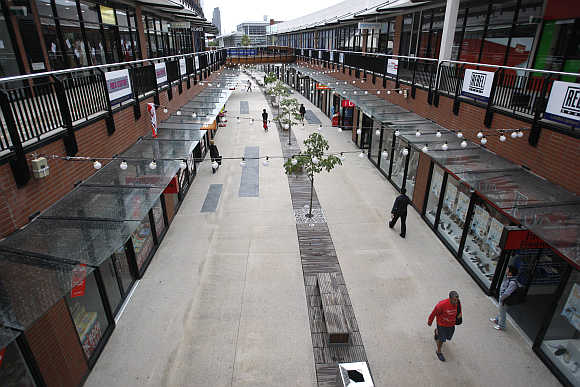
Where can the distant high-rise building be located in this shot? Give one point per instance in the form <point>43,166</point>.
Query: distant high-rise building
<point>217,19</point>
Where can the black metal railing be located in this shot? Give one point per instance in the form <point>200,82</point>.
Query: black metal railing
<point>86,95</point>
<point>144,80</point>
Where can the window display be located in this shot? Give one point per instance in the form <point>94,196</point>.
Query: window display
<point>434,192</point>
<point>482,249</point>
<point>87,311</point>
<point>386,146</point>
<point>399,160</point>
<point>375,142</point>
<point>454,212</point>
<point>142,242</point>
<point>412,172</point>
<point>13,368</point>
<point>109,277</point>
<point>124,272</point>
<point>158,216</point>
<point>561,342</point>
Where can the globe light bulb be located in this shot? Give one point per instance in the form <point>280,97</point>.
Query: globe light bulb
<point>123,165</point>
<point>502,138</point>
<point>385,154</point>
<point>514,135</point>
<point>405,152</point>
<point>193,115</point>
<point>400,91</point>
<point>97,164</point>
<point>463,144</point>
<point>153,164</point>
<point>479,135</point>
<point>266,161</point>
<point>243,162</point>
<point>366,92</point>
<point>397,132</point>
<point>182,164</point>
<point>520,134</point>
<point>377,132</point>
<point>320,127</point>
<point>389,92</point>
<point>178,112</point>
<point>460,134</point>
<point>484,140</point>
<point>425,149</point>
<point>354,92</point>
<point>417,133</point>
<point>165,110</point>
<point>294,161</point>
<point>444,146</point>
<point>438,134</point>
<point>378,92</point>
<point>358,131</point>
<point>315,160</point>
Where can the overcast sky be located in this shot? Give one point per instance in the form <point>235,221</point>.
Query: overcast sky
<point>234,12</point>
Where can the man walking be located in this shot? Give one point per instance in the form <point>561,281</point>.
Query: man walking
<point>400,211</point>
<point>302,111</point>
<point>446,311</point>
<point>265,119</point>
<point>249,86</point>
<point>215,156</point>
<point>509,285</point>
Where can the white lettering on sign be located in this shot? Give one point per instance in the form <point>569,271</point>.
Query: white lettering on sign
<point>118,85</point>
<point>564,103</point>
<point>160,73</point>
<point>182,67</point>
<point>369,26</point>
<point>477,84</point>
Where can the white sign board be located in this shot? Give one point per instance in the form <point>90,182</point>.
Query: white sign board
<point>118,85</point>
<point>196,62</point>
<point>332,56</point>
<point>564,103</point>
<point>302,51</point>
<point>369,26</point>
<point>319,54</point>
<point>160,73</point>
<point>182,67</point>
<point>341,57</point>
<point>392,66</point>
<point>477,84</point>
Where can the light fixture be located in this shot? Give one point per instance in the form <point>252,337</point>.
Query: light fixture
<point>484,140</point>
<point>209,84</point>
<point>294,161</point>
<point>438,134</point>
<point>464,144</point>
<point>153,164</point>
<point>479,135</point>
<point>378,132</point>
<point>243,162</point>
<point>214,164</point>
<point>201,83</point>
<point>178,112</point>
<point>165,110</point>
<point>123,165</point>
<point>514,135</point>
<point>314,160</point>
<point>418,133</point>
<point>405,151</point>
<point>378,92</point>
<point>460,134</point>
<point>400,91</point>
<point>444,146</point>
<point>193,115</point>
<point>97,164</point>
<point>425,148</point>
<point>366,92</point>
<point>397,132</point>
<point>266,162</point>
<point>385,154</point>
<point>359,131</point>
<point>520,134</point>
<point>354,92</point>
<point>389,92</point>
<point>182,164</point>
<point>353,82</point>
<point>502,138</point>
<point>361,154</point>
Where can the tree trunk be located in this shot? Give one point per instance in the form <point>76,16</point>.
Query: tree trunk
<point>311,191</point>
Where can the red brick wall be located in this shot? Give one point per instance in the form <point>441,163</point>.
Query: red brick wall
<point>54,343</point>
<point>16,205</point>
<point>421,182</point>
<point>555,158</point>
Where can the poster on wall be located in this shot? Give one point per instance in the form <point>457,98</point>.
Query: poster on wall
<point>79,280</point>
<point>392,66</point>
<point>462,206</point>
<point>450,196</point>
<point>118,86</point>
<point>494,234</point>
<point>153,117</point>
<point>477,84</point>
<point>182,67</point>
<point>564,103</point>
<point>571,310</point>
<point>161,73</point>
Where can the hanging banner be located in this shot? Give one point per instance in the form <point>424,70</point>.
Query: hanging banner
<point>118,85</point>
<point>369,26</point>
<point>79,277</point>
<point>182,67</point>
<point>392,66</point>
<point>564,103</point>
<point>477,84</point>
<point>332,56</point>
<point>161,73</point>
<point>346,103</point>
<point>153,116</point>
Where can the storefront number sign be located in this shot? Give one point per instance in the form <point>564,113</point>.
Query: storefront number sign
<point>477,84</point>
<point>182,67</point>
<point>153,116</point>
<point>161,73</point>
<point>118,85</point>
<point>564,103</point>
<point>392,66</point>
<point>79,280</point>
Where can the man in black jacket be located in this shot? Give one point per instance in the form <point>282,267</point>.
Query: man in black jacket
<point>215,155</point>
<point>400,211</point>
<point>265,119</point>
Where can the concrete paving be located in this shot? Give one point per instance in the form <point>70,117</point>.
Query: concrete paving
<point>223,302</point>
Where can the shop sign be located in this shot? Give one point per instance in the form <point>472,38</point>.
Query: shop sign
<point>153,116</point>
<point>477,84</point>
<point>392,66</point>
<point>564,102</point>
<point>346,103</point>
<point>369,26</point>
<point>172,187</point>
<point>2,352</point>
<point>108,15</point>
<point>79,280</point>
<point>523,239</point>
<point>161,73</point>
<point>186,25</point>
<point>197,29</point>
<point>182,67</point>
<point>332,56</point>
<point>341,57</point>
<point>118,85</point>
<point>320,86</point>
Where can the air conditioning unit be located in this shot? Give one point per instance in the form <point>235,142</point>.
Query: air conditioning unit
<point>40,167</point>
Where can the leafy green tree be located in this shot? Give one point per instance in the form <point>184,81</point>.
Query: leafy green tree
<point>289,113</point>
<point>213,43</point>
<point>312,160</point>
<point>270,78</point>
<point>277,90</point>
<point>246,40</point>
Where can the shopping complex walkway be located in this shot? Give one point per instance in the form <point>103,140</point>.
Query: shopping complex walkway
<point>223,301</point>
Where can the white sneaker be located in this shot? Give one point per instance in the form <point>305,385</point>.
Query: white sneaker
<point>497,327</point>
<point>493,320</point>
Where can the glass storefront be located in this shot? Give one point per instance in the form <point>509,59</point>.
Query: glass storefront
<point>13,368</point>
<point>158,216</point>
<point>142,242</point>
<point>386,150</point>
<point>121,262</point>
<point>453,213</point>
<point>88,313</point>
<point>109,276</point>
<point>375,142</point>
<point>412,172</point>
<point>434,194</point>
<point>399,160</point>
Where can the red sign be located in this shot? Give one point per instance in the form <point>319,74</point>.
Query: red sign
<point>320,86</point>
<point>2,352</point>
<point>79,277</point>
<point>173,187</point>
<point>346,103</point>
<point>523,239</point>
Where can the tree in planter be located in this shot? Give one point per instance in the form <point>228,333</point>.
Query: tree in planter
<point>246,40</point>
<point>277,89</point>
<point>270,78</point>
<point>312,161</point>
<point>289,113</point>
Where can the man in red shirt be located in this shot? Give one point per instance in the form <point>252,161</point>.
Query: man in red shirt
<point>446,312</point>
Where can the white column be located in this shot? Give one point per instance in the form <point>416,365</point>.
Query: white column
<point>451,11</point>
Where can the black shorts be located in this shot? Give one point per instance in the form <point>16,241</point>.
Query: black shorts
<point>445,333</point>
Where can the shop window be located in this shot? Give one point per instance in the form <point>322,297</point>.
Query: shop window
<point>482,246</point>
<point>9,64</point>
<point>89,12</point>
<point>95,42</point>
<point>88,313</point>
<point>121,262</point>
<point>375,142</point>
<point>561,343</point>
<point>13,368</point>
<point>111,283</point>
<point>75,54</point>
<point>142,242</point>
<point>558,49</point>
<point>453,212</point>
<point>434,193</point>
<point>158,216</point>
<point>386,146</point>
<point>412,172</point>
<point>399,160</point>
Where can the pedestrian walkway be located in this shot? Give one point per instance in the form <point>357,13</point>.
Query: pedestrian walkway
<point>223,302</point>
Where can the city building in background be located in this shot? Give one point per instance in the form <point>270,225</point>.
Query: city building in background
<point>255,30</point>
<point>217,20</point>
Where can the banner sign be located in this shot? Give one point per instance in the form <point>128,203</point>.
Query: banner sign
<point>346,103</point>
<point>161,73</point>
<point>564,103</point>
<point>182,67</point>
<point>79,277</point>
<point>153,116</point>
<point>369,26</point>
<point>332,56</point>
<point>320,86</point>
<point>341,57</point>
<point>477,84</point>
<point>118,85</point>
<point>392,66</point>
<point>186,25</point>
<point>240,51</point>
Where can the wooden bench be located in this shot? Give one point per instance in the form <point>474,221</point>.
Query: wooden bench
<point>332,309</point>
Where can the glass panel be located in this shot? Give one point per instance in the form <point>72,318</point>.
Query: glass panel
<point>121,262</point>
<point>142,242</point>
<point>67,9</point>
<point>412,172</point>
<point>137,174</point>
<point>375,141</point>
<point>454,212</point>
<point>88,313</point>
<point>95,42</point>
<point>399,163</point>
<point>122,18</point>
<point>158,216</point>
<point>74,43</point>
<point>13,368</point>
<point>482,246</point>
<point>562,339</point>
<point>387,144</point>
<point>111,284</point>
<point>90,12</point>
<point>9,65</point>
<point>434,192</point>
<point>111,42</point>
